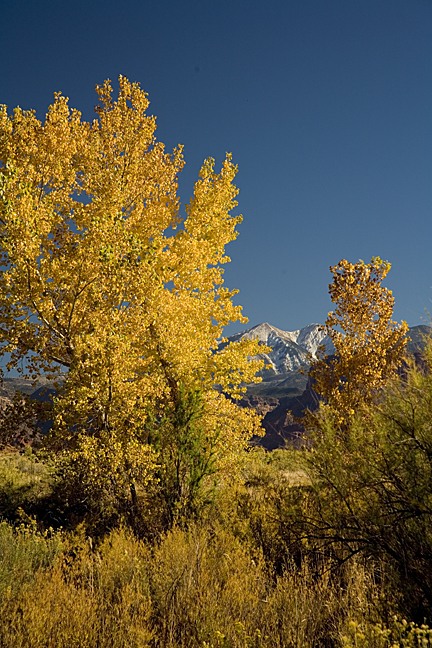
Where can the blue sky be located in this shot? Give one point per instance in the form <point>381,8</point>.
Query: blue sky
<point>326,106</point>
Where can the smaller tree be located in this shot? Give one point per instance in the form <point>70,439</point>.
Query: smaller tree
<point>188,460</point>
<point>369,345</point>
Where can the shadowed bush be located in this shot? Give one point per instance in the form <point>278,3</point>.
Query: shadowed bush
<point>372,487</point>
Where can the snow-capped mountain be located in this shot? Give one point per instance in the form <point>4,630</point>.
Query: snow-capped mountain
<point>290,349</point>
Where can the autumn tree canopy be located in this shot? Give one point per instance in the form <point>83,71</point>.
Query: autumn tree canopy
<point>368,344</point>
<point>104,280</point>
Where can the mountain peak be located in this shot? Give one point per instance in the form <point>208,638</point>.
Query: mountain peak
<point>289,349</point>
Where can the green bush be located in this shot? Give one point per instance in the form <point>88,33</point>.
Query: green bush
<point>372,487</point>
<point>23,552</point>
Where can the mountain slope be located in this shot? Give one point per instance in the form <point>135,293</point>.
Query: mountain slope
<point>290,349</point>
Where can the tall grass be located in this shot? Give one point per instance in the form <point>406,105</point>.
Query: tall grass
<point>23,553</point>
<point>198,587</point>
<point>84,599</point>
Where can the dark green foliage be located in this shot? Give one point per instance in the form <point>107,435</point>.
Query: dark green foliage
<point>187,460</point>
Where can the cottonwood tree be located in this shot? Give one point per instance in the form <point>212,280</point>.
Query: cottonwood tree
<point>104,280</point>
<point>369,345</point>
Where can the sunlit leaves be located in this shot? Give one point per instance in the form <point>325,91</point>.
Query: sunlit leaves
<point>369,345</point>
<point>102,277</point>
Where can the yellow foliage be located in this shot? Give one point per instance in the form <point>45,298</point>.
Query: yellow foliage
<point>102,278</point>
<point>369,345</point>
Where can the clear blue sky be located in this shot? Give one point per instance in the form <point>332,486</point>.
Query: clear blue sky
<point>326,106</point>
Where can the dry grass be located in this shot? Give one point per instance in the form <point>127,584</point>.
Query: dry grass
<point>230,580</point>
<point>198,587</point>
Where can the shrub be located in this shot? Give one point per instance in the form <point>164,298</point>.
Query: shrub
<point>372,486</point>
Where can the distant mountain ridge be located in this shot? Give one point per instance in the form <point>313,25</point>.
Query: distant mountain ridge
<point>290,352</point>
<point>283,388</point>
<point>281,377</point>
<point>290,349</point>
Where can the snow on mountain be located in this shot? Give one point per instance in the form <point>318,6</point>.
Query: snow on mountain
<point>290,349</point>
<point>311,337</point>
